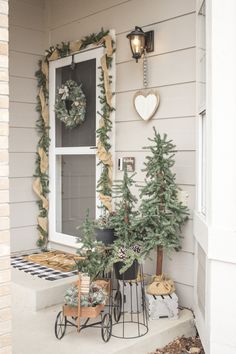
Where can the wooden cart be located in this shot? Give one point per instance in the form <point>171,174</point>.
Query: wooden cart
<point>71,316</point>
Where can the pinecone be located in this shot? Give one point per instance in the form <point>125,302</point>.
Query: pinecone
<point>136,248</point>
<point>122,253</point>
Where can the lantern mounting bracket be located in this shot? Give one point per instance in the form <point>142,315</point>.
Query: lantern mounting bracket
<point>149,41</point>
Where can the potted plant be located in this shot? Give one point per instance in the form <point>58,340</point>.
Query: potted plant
<point>126,253</point>
<point>126,258</point>
<point>104,229</point>
<point>162,215</point>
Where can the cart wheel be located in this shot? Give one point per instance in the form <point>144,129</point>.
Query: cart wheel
<point>117,306</point>
<point>106,327</point>
<point>60,325</point>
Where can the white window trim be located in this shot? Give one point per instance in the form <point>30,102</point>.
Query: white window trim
<point>200,109</point>
<point>200,225</point>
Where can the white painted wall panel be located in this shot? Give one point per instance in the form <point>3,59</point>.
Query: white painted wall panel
<point>123,17</point>
<point>23,114</point>
<point>191,198</point>
<point>23,90</point>
<point>24,214</point>
<point>18,11</point>
<point>37,3</point>
<point>23,238</point>
<point>22,164</point>
<point>21,190</point>
<point>175,101</point>
<point>23,140</point>
<point>167,69</point>
<point>78,9</point>
<point>23,65</point>
<point>185,167</point>
<point>223,330</point>
<point>132,136</point>
<point>188,240</point>
<point>26,41</point>
<point>185,294</point>
<point>180,266</point>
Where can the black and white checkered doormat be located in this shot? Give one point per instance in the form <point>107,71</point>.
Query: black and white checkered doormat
<point>38,270</point>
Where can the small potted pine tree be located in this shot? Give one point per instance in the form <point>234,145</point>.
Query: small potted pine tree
<point>127,251</point>
<point>104,229</point>
<point>162,215</point>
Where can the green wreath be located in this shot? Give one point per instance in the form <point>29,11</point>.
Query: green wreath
<point>70,106</point>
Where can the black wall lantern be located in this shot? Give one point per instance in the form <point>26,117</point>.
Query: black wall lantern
<point>140,42</point>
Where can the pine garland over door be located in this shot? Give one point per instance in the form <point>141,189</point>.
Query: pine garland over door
<point>41,181</point>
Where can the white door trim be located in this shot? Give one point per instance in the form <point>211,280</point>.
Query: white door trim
<point>97,53</point>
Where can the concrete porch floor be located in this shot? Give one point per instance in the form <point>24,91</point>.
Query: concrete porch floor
<point>35,304</point>
<point>33,333</point>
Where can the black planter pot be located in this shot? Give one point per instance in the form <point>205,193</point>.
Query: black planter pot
<point>105,235</point>
<point>130,274</point>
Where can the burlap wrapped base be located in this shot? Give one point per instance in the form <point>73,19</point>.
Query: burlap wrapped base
<point>161,285</point>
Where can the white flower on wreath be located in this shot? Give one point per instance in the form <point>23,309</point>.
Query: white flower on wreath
<point>76,103</point>
<point>64,92</point>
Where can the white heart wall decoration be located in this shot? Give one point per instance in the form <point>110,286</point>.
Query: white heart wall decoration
<point>146,104</point>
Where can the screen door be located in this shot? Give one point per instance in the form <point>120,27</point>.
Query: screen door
<point>73,162</point>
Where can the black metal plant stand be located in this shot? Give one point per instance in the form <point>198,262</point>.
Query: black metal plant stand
<point>129,309</point>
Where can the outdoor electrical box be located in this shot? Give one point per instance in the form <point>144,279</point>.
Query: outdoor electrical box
<point>128,161</point>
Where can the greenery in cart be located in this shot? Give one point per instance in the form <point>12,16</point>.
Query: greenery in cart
<point>93,253</point>
<point>96,296</point>
<point>162,215</point>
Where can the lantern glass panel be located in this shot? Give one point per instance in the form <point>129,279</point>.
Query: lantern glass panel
<point>137,43</point>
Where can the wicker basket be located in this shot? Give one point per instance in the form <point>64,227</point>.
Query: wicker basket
<point>105,284</point>
<point>91,312</point>
<point>85,312</point>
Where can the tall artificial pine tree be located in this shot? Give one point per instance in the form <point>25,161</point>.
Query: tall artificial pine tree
<point>162,214</point>
<point>124,209</point>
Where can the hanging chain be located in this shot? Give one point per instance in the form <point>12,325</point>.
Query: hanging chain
<point>145,70</point>
<point>72,68</point>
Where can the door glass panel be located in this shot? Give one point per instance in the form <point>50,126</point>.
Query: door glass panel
<point>85,134</point>
<point>76,191</point>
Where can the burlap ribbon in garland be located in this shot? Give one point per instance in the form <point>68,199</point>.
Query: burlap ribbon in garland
<point>43,223</point>
<point>38,189</point>
<point>106,158</point>
<point>44,107</point>
<point>103,155</point>
<point>106,201</point>
<point>45,70</point>
<point>43,160</point>
<point>161,285</point>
